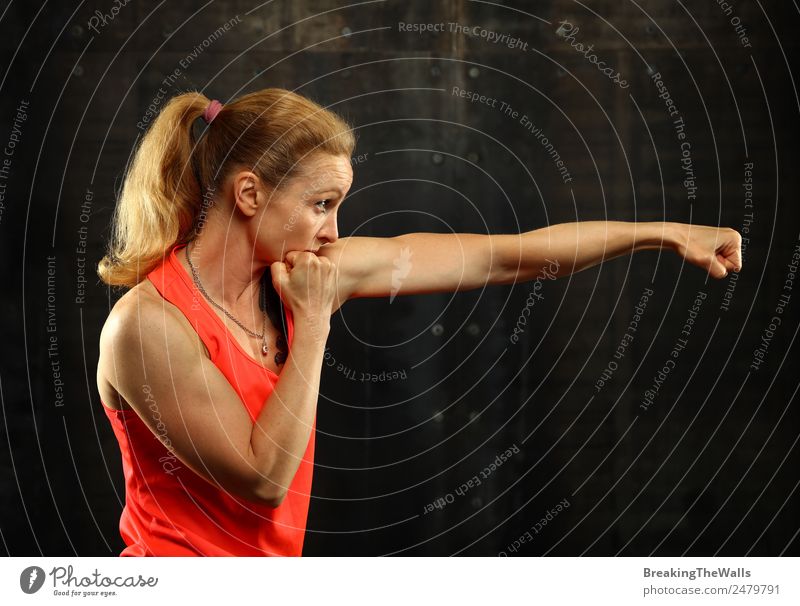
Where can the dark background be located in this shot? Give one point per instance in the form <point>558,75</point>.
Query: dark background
<point>709,468</point>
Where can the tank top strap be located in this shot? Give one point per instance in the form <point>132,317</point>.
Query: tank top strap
<point>176,286</point>
<point>170,281</point>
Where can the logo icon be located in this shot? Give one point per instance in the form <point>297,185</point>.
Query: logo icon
<point>402,266</point>
<point>31,579</point>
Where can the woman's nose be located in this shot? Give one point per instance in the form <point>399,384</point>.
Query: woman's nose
<point>329,231</point>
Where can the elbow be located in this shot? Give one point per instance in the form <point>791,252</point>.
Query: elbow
<point>275,499</point>
<point>269,494</point>
<point>505,275</point>
<point>540,271</point>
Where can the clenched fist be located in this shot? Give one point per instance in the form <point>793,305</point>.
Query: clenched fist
<point>306,283</point>
<point>717,250</point>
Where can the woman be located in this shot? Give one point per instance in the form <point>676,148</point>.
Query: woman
<point>210,364</point>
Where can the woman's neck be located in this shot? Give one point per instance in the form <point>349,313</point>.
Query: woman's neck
<point>227,268</point>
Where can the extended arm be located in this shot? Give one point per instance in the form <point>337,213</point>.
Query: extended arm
<point>418,263</point>
<point>573,247</point>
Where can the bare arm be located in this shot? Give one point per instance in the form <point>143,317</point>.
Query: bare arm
<point>282,430</point>
<point>154,360</point>
<point>147,342</point>
<point>573,247</point>
<point>567,248</point>
<point>418,263</point>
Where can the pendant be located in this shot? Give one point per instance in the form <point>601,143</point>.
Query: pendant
<point>264,348</point>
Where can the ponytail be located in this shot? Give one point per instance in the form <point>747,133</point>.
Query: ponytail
<point>163,195</point>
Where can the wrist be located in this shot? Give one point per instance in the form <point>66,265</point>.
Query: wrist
<point>311,325</point>
<point>675,235</point>
<point>658,235</point>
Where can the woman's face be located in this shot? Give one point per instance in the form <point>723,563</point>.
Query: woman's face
<point>303,215</point>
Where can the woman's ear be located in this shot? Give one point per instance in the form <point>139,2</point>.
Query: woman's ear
<point>246,192</point>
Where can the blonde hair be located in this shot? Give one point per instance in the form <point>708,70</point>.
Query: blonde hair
<point>268,131</point>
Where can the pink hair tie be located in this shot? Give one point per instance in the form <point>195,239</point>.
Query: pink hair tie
<point>211,111</point>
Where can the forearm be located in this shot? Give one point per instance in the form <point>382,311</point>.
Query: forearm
<point>282,430</point>
<point>568,248</point>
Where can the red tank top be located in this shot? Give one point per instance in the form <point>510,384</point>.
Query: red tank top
<point>170,510</point>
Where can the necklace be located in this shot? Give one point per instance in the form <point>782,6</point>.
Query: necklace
<point>262,336</point>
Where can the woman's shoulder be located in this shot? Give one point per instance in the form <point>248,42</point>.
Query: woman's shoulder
<point>120,338</point>
<point>142,313</point>
<point>139,304</point>
<point>143,328</point>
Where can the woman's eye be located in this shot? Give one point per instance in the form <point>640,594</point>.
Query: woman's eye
<point>324,204</point>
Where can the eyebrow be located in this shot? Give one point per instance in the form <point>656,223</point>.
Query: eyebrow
<point>327,189</point>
